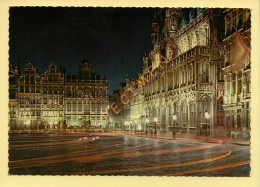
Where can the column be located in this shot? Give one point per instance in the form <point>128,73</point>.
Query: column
<point>159,117</point>
<point>167,119</point>
<point>212,115</point>
<point>236,95</point>
<point>188,121</point>
<point>230,87</point>
<point>196,73</point>
<point>197,105</point>
<point>77,105</point>
<point>166,78</point>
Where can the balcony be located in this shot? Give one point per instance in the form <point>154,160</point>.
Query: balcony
<point>191,55</point>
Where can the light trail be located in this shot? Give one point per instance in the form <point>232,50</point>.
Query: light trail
<point>42,162</point>
<point>76,153</point>
<point>92,158</point>
<point>212,169</point>
<point>162,166</point>
<point>114,155</point>
<point>173,157</point>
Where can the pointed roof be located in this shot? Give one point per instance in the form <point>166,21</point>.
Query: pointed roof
<point>85,62</point>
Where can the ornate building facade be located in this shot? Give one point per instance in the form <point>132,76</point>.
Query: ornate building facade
<point>237,69</point>
<point>190,86</point>
<point>54,101</point>
<point>13,90</point>
<point>191,93</point>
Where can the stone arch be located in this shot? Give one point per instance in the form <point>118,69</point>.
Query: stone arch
<point>205,106</point>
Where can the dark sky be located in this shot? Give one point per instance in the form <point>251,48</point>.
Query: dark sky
<point>114,39</point>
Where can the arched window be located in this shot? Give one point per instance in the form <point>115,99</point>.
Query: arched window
<point>220,104</point>
<point>26,79</point>
<point>206,102</point>
<point>52,69</point>
<point>32,80</point>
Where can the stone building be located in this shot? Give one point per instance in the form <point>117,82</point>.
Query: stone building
<point>29,97</point>
<point>13,90</point>
<point>185,95</point>
<point>86,97</point>
<point>52,108</point>
<point>54,101</point>
<point>131,117</point>
<point>135,108</point>
<point>237,72</point>
<point>117,121</point>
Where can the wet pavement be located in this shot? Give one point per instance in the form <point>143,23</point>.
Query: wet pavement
<point>115,154</point>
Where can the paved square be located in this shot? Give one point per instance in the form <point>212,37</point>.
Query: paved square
<point>113,154</point>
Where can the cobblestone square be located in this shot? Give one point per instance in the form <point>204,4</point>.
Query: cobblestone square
<point>125,154</point>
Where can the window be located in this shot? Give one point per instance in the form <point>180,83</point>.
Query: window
<point>233,88</point>
<point>27,89</point>
<point>74,106</point>
<point>32,80</point>
<point>26,79</point>
<point>219,104</point>
<point>80,107</point>
<point>68,106</point>
<point>52,69</point>
<point>21,89</point>
<point>239,125</point>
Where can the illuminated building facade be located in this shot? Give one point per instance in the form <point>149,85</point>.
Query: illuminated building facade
<point>190,87</point>
<point>196,92</point>
<point>135,108</point>
<point>13,90</point>
<point>237,69</point>
<point>53,101</point>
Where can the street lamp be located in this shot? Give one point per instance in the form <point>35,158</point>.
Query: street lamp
<point>125,123</point>
<point>206,117</point>
<point>146,121</point>
<point>156,120</point>
<point>174,122</point>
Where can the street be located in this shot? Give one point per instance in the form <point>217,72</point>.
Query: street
<point>125,154</point>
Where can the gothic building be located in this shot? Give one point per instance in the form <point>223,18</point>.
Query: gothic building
<point>55,101</point>
<point>195,90</point>
<point>190,86</point>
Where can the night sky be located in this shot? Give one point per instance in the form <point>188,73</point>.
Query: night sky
<point>114,39</point>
